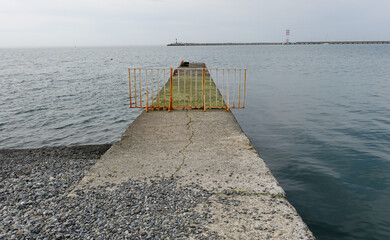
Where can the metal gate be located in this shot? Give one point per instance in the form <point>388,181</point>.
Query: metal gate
<point>187,88</point>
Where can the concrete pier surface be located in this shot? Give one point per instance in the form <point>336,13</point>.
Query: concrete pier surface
<point>209,150</point>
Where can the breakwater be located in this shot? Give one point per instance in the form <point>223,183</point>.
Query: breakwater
<point>280,43</point>
<point>201,152</point>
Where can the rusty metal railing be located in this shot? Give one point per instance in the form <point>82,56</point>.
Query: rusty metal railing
<point>187,88</point>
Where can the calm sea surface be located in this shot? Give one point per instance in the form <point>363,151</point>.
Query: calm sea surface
<point>318,115</point>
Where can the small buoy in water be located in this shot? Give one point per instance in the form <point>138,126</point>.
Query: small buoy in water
<point>111,58</point>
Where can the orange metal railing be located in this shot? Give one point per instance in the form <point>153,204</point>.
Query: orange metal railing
<point>187,88</point>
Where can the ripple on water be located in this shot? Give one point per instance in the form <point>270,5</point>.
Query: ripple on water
<point>318,115</point>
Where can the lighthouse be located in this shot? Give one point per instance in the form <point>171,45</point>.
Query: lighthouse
<point>287,36</point>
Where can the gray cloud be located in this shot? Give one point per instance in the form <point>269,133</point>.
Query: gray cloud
<point>145,22</point>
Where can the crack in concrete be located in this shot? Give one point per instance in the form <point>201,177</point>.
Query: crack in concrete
<point>185,147</point>
<point>245,193</point>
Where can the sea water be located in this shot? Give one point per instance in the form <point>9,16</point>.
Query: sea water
<point>318,115</point>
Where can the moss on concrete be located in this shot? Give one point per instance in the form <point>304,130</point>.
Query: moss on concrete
<point>188,91</point>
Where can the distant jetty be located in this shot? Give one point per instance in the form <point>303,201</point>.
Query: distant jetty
<point>280,43</point>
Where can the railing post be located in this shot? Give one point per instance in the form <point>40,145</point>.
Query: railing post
<point>151,83</point>
<point>234,91</point>
<point>239,90</point>
<point>135,87</point>
<point>171,92</point>
<point>244,88</point>
<point>204,89</point>
<point>178,88</point>
<point>158,87</point>
<point>147,100</point>
<point>130,86</point>
<point>140,87</point>
<point>190,88</point>
<point>184,89</point>
<point>165,104</point>
<point>227,90</point>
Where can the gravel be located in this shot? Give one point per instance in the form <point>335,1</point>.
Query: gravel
<point>34,201</point>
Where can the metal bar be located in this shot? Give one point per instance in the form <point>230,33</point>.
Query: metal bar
<point>130,86</point>
<point>209,86</point>
<point>216,87</point>
<point>140,89</point>
<point>151,82</point>
<point>147,86</point>
<point>204,89</point>
<point>158,88</point>
<point>147,100</point>
<point>243,104</point>
<point>135,87</point>
<point>171,96</point>
<point>164,89</point>
<point>239,89</point>
<point>227,89</point>
<point>178,87</point>
<point>235,83</point>
<point>184,97</point>
<point>223,83</point>
<point>196,87</point>
<point>190,88</point>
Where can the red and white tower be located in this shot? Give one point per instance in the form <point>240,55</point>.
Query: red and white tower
<point>287,36</point>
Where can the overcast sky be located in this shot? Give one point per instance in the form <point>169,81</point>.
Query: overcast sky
<point>25,23</point>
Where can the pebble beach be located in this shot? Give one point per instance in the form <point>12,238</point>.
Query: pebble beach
<point>35,201</point>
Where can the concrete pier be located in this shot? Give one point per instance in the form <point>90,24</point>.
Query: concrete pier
<point>203,151</point>
<point>209,149</point>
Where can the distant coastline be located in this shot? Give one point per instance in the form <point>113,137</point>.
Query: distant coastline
<point>280,43</point>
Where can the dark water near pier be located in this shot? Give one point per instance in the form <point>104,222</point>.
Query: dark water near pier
<point>318,115</point>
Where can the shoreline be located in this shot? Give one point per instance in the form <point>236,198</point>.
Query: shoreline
<point>83,147</point>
